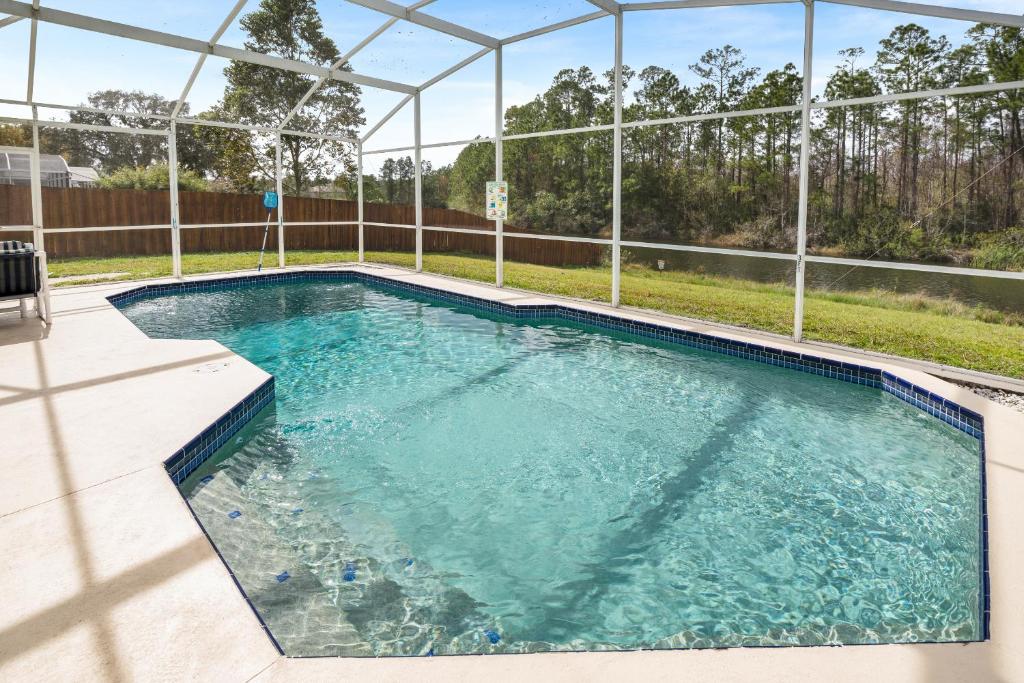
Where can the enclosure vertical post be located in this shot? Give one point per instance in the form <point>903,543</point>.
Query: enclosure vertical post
<point>172,185</point>
<point>359,193</point>
<point>499,151</point>
<point>805,157</point>
<point>617,167</point>
<point>36,187</point>
<point>279,187</point>
<point>36,190</point>
<point>419,184</point>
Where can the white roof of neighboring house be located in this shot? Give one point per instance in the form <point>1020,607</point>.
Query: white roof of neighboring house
<point>83,174</point>
<point>17,163</point>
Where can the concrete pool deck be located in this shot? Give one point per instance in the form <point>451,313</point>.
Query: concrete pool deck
<point>106,575</point>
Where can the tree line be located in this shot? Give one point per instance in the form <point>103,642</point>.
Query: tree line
<point>939,178</point>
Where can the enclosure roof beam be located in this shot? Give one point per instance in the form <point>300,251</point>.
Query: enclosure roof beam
<point>91,110</point>
<point>85,126</point>
<point>609,6</point>
<point>427,21</point>
<point>932,11</point>
<point>7,21</point>
<point>432,145</point>
<point>30,90</point>
<point>159,117</point>
<point>261,129</point>
<point>889,5</point>
<point>554,27</point>
<point>345,58</point>
<point>112,28</point>
<point>683,4</point>
<point>202,58</point>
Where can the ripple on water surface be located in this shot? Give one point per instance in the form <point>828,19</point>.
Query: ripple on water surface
<point>434,480</point>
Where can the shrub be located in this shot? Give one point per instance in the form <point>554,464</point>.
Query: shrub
<point>155,177</point>
<point>1001,251</point>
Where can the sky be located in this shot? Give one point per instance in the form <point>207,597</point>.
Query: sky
<point>71,63</point>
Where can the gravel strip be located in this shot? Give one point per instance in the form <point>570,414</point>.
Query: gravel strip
<point>1007,398</point>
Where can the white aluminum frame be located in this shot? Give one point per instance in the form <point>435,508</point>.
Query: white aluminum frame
<point>805,165</point>
<point>418,172</point>
<point>42,298</point>
<point>499,162</point>
<point>17,11</point>
<point>172,186</point>
<point>279,187</point>
<point>616,156</point>
<point>224,25</point>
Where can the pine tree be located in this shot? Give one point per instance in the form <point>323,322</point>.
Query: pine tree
<point>263,96</point>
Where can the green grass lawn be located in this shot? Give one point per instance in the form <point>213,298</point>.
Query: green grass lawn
<point>939,330</point>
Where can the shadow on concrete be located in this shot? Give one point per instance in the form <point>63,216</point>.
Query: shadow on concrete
<point>97,598</point>
<point>16,330</point>
<point>26,394</point>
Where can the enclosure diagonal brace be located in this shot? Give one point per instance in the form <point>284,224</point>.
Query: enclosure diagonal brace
<point>428,21</point>
<point>202,58</point>
<point>575,21</point>
<point>342,60</point>
<point>387,117</point>
<point>461,65</point>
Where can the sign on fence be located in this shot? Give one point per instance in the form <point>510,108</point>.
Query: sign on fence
<point>497,200</point>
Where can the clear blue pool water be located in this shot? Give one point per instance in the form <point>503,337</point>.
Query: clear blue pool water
<point>437,480</point>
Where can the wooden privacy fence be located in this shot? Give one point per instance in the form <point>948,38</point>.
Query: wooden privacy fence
<point>82,208</point>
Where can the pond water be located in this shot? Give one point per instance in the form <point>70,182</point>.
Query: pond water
<point>996,293</point>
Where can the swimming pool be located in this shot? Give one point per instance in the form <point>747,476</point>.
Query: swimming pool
<point>435,479</point>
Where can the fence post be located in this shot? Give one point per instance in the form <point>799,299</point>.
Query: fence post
<point>499,151</point>
<point>172,186</point>
<point>805,156</point>
<point>419,184</point>
<point>359,192</point>
<point>279,186</point>
<point>617,167</point>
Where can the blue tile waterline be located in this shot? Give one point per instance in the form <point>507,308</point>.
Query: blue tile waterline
<point>201,448</point>
<point>197,451</point>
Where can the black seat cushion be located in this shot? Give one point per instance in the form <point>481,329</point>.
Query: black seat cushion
<point>19,270</point>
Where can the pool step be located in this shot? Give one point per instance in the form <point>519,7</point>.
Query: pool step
<point>300,610</point>
<point>334,599</point>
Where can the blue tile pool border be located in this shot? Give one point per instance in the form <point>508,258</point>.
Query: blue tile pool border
<point>186,460</point>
